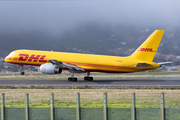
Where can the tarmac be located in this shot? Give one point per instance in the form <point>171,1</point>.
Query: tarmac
<point>100,83</point>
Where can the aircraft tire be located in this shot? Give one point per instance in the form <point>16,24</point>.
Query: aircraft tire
<point>88,78</point>
<point>22,73</point>
<point>74,79</point>
<point>69,79</point>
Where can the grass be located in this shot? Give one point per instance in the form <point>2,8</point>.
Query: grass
<point>90,97</point>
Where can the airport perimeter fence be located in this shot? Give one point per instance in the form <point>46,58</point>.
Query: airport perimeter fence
<point>135,112</point>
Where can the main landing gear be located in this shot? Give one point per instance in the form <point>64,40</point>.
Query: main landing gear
<point>72,78</point>
<point>87,78</point>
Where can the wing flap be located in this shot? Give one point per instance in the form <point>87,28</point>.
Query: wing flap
<point>65,65</point>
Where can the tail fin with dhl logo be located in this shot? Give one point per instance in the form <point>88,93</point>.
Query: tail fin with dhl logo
<point>147,50</point>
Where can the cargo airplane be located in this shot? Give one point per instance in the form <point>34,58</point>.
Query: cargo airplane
<point>51,62</point>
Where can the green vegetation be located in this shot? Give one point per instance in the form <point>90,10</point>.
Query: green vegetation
<point>85,87</point>
<point>91,97</point>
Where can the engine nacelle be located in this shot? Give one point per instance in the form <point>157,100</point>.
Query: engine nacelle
<point>48,68</point>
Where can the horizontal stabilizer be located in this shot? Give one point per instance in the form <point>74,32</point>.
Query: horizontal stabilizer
<point>163,63</point>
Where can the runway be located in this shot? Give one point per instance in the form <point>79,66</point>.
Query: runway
<point>137,73</point>
<point>107,83</point>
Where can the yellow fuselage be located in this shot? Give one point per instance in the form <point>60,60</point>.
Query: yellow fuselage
<point>90,63</point>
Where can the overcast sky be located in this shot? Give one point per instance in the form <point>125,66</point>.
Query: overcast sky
<point>56,16</point>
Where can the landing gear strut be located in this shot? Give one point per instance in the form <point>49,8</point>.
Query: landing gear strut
<point>72,78</point>
<point>87,78</point>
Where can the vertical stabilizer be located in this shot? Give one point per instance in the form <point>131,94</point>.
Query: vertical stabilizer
<point>148,49</point>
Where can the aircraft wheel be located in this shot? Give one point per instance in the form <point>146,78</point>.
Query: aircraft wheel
<point>88,78</point>
<point>22,73</point>
<point>74,79</point>
<point>85,78</point>
<point>91,78</point>
<point>69,79</point>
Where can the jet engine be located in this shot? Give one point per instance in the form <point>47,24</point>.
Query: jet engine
<point>48,68</point>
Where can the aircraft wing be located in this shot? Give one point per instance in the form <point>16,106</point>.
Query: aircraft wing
<point>142,65</point>
<point>65,65</point>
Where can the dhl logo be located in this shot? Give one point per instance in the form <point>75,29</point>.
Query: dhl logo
<point>147,49</point>
<point>34,58</point>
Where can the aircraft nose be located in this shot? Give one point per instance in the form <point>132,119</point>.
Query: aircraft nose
<point>7,58</point>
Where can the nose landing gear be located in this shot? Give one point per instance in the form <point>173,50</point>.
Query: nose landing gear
<point>22,70</point>
<point>22,73</point>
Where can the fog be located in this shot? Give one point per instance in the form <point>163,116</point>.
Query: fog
<point>56,16</point>
<point>48,21</point>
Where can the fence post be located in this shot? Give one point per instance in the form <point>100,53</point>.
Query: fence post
<point>52,107</point>
<point>105,106</point>
<point>2,107</point>
<point>133,109</point>
<point>78,112</point>
<point>26,106</point>
<point>162,107</point>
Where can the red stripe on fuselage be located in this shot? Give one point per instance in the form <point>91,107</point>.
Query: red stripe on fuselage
<point>25,64</point>
<point>89,70</point>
